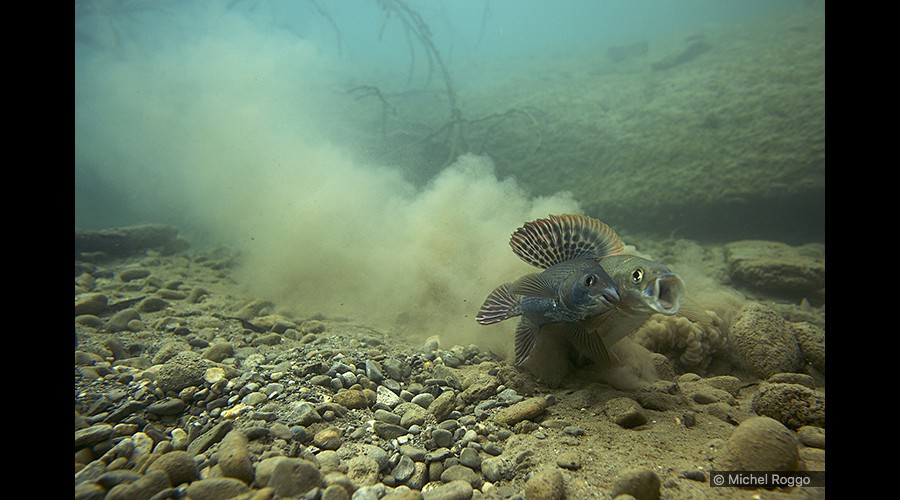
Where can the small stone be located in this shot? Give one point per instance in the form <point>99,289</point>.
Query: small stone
<point>90,491</point>
<point>497,468</point>
<point>210,437</point>
<point>454,490</point>
<point>442,437</point>
<point>492,448</point>
<point>152,304</point>
<point>571,430</point>
<point>363,470</point>
<point>301,413</point>
<point>89,321</point>
<point>166,407</point>
<point>546,484</point>
<point>134,273</point>
<point>625,412</point>
<point>415,453</point>
<point>216,488</point>
<point>179,439</point>
<point>120,320</point>
<point>219,351</point>
<point>443,405</point>
<point>413,414</point>
<point>267,339</point>
<point>760,444</point>
<point>153,482</point>
<point>462,473</point>
<point>112,478</point>
<point>569,460</point>
<point>234,457</point>
<point>395,369</point>
<point>642,484</point>
<point>404,469</point>
<point>525,410</point>
<point>335,492</point>
<point>432,344</point>
<point>812,436</point>
<point>90,303</point>
<point>470,458</point>
<point>180,371</point>
<point>387,417</point>
<point>373,371</point>
<point>294,477</point>
<point>388,431</point>
<point>167,294</point>
<point>351,398</point>
<point>92,435</point>
<point>328,439</point>
<point>385,396</point>
<point>482,388</point>
<point>254,398</point>
<point>179,466</point>
<point>424,400</point>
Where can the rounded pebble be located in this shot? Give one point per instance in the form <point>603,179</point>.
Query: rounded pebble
<point>642,484</point>
<point>454,490</point>
<point>216,488</point>
<point>625,412</point>
<point>294,477</point>
<point>761,444</point>
<point>328,439</point>
<point>546,484</point>
<point>179,466</point>
<point>234,457</point>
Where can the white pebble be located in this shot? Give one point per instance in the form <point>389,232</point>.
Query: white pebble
<point>142,443</point>
<point>179,439</point>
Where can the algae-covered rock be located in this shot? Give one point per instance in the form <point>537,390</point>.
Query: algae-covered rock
<point>775,267</point>
<point>765,341</point>
<point>793,405</point>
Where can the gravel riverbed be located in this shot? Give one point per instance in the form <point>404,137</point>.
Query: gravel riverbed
<point>185,388</point>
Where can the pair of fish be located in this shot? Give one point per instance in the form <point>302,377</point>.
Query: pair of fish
<point>588,289</point>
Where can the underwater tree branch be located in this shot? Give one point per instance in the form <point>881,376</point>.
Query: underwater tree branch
<point>324,13</point>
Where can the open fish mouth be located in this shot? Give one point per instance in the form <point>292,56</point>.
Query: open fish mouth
<point>664,295</point>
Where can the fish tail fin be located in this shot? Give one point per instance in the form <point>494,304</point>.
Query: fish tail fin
<point>499,305</point>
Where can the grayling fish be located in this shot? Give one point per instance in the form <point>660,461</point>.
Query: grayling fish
<point>645,288</point>
<point>569,294</point>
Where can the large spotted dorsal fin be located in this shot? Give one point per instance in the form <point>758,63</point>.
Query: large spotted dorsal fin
<point>546,242</point>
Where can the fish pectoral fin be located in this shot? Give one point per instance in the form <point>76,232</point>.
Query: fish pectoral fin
<point>498,306</point>
<point>526,336</point>
<point>534,285</point>
<point>693,311</point>
<point>590,344</point>
<point>597,322</point>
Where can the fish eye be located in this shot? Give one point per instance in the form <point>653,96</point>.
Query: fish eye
<point>637,275</point>
<point>590,280</point>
